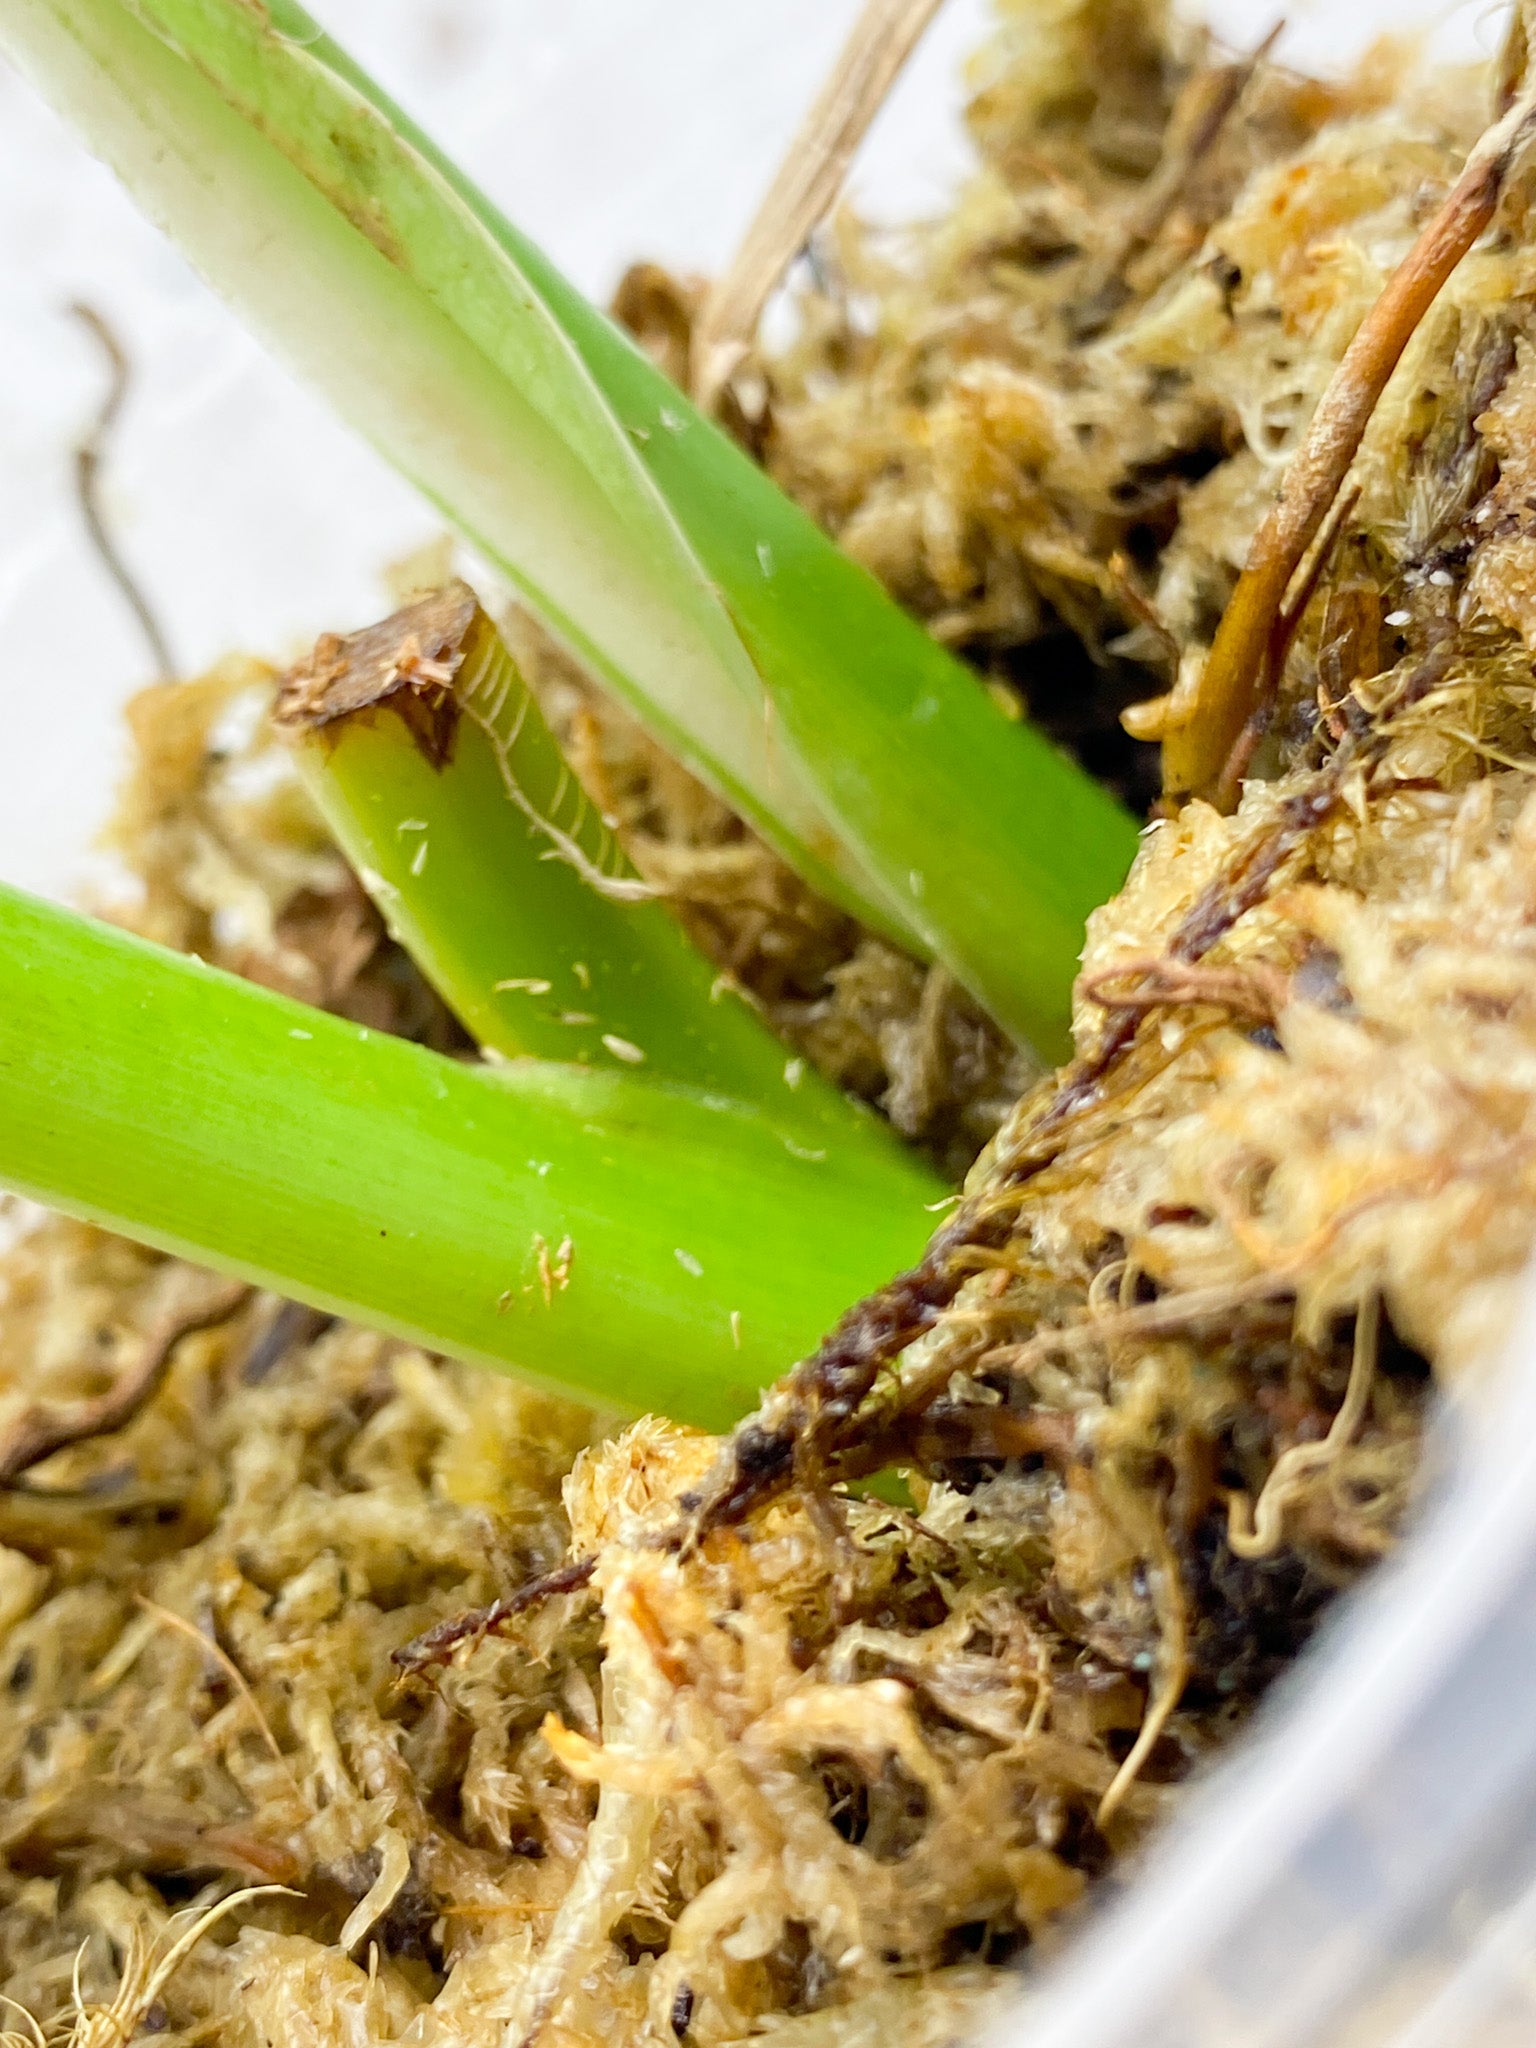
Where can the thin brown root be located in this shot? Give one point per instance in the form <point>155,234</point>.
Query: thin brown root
<point>90,454</point>
<point>1255,991</point>
<point>439,1644</point>
<point>1164,1318</point>
<point>805,185</point>
<point>1259,1532</point>
<point>52,1426</point>
<point>1238,672</point>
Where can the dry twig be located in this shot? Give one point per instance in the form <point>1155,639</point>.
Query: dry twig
<point>805,185</point>
<point>1200,736</point>
<point>440,1643</point>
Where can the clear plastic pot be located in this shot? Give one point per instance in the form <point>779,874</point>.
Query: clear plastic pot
<point>1362,1873</point>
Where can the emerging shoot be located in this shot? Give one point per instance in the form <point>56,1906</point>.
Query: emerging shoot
<point>434,767</point>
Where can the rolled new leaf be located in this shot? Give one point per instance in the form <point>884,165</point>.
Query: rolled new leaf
<point>627,1242</point>
<point>760,655</point>
<point>435,769</point>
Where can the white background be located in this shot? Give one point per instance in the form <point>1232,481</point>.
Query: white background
<point>606,128</point>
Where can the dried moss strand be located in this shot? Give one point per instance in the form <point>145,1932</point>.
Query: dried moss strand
<point>1237,672</point>
<point>207,1646</point>
<point>1208,102</point>
<point>1514,57</point>
<point>1169,1314</point>
<point>617,1851</point>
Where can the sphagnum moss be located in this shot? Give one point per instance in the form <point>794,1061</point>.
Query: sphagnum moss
<point>743,1747</point>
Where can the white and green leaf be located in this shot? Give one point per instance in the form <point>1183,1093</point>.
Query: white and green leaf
<point>667,561</point>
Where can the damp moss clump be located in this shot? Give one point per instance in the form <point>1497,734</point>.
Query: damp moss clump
<point>562,1731</point>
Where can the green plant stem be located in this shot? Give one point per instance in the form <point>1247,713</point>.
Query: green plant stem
<point>436,771</point>
<point>631,1243</point>
<point>754,650</point>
